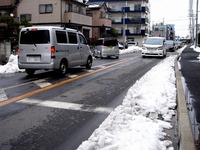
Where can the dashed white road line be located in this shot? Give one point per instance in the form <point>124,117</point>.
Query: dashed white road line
<point>42,83</point>
<point>66,105</point>
<point>3,96</point>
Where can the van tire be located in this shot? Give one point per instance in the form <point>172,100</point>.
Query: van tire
<point>63,68</point>
<point>89,63</point>
<point>30,72</point>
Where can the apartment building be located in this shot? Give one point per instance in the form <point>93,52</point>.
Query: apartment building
<point>163,30</point>
<point>130,18</point>
<point>100,22</point>
<point>68,13</point>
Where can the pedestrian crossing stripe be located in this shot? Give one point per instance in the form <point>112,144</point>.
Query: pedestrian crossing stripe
<point>3,96</point>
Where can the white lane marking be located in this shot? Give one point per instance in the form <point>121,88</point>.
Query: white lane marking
<point>3,96</point>
<point>42,83</point>
<point>65,105</point>
<point>72,76</point>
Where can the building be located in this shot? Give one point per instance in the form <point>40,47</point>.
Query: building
<point>7,7</point>
<point>68,13</point>
<point>100,22</point>
<point>162,30</point>
<point>130,18</point>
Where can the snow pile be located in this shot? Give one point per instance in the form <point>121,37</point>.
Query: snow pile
<point>131,49</point>
<point>11,66</point>
<point>135,123</point>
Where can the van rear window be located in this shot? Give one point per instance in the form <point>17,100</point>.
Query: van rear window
<point>35,37</point>
<point>109,42</point>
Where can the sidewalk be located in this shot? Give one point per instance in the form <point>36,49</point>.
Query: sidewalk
<point>190,71</point>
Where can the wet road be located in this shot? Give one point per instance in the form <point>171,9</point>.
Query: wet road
<point>51,112</point>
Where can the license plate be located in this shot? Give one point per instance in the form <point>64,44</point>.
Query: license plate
<point>33,58</point>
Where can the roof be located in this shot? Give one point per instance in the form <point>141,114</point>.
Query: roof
<point>48,27</point>
<point>95,5</point>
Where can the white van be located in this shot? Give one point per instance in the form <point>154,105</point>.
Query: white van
<point>47,47</point>
<point>106,47</point>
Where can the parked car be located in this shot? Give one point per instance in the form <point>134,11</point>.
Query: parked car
<point>45,47</point>
<point>130,43</point>
<point>170,45</point>
<point>106,47</point>
<point>178,44</point>
<point>154,46</point>
<point>123,45</point>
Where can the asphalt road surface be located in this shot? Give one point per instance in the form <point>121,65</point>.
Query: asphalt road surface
<point>47,111</point>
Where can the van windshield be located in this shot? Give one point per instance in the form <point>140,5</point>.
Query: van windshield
<point>35,37</point>
<point>109,42</point>
<point>154,41</point>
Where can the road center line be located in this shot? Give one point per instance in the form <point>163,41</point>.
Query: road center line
<point>14,99</point>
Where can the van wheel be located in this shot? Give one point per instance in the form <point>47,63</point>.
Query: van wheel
<point>89,63</point>
<point>117,57</point>
<point>30,72</point>
<point>63,68</point>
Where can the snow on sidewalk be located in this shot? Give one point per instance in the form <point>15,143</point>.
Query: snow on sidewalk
<point>135,124</point>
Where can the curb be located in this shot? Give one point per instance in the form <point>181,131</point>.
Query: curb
<point>186,140</point>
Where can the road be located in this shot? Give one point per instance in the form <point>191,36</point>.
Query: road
<point>48,111</point>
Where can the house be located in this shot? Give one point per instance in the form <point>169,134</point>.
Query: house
<point>130,18</point>
<point>100,22</point>
<point>68,13</point>
<point>7,7</point>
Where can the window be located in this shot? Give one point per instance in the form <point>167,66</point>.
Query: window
<point>68,7</point>
<point>35,37</point>
<point>61,37</point>
<point>82,39</point>
<point>45,8</point>
<point>25,16</point>
<point>72,38</point>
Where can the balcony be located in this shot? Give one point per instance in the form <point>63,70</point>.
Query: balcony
<point>131,21</point>
<point>141,32</point>
<point>142,9</point>
<point>72,17</point>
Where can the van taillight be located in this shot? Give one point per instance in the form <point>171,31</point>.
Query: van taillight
<point>52,52</point>
<point>18,50</point>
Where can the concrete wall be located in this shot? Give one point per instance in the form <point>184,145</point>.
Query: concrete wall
<point>5,51</point>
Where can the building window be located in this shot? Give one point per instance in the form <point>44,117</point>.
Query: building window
<point>45,8</point>
<point>68,7</point>
<point>25,17</point>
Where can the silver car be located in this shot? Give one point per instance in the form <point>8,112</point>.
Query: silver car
<point>45,47</point>
<point>106,47</point>
<point>154,46</point>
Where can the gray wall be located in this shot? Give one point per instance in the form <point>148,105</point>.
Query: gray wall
<point>5,51</point>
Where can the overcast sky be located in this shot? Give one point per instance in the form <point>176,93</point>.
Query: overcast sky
<point>172,12</point>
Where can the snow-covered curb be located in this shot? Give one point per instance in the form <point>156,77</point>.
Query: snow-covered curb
<point>135,124</point>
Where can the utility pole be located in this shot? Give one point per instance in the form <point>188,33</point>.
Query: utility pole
<point>196,41</point>
<point>191,24</point>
